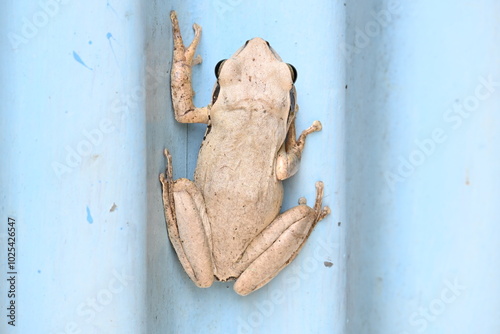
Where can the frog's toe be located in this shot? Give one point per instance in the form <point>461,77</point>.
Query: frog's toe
<point>317,126</point>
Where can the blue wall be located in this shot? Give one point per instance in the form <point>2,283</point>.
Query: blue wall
<point>423,169</point>
<point>307,297</point>
<point>85,116</point>
<point>73,165</point>
<point>408,96</point>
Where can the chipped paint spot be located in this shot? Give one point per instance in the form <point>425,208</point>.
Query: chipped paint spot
<point>110,37</point>
<point>89,216</point>
<point>113,208</point>
<point>111,7</point>
<point>79,59</point>
<point>328,264</point>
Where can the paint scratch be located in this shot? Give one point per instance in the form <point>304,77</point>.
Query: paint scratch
<point>110,37</point>
<point>79,59</point>
<point>89,216</point>
<point>111,7</point>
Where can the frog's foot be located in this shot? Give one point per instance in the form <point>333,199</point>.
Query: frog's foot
<point>277,245</point>
<point>180,76</point>
<point>288,161</point>
<point>320,212</point>
<point>315,127</point>
<point>187,225</point>
<point>181,53</point>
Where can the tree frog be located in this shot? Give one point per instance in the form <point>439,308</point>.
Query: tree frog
<point>226,225</point>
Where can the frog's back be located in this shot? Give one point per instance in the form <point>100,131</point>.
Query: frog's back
<point>236,174</point>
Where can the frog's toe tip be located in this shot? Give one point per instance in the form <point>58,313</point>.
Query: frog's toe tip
<point>323,213</point>
<point>196,27</point>
<point>197,60</point>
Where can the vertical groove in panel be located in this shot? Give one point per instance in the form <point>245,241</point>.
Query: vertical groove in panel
<point>422,117</point>
<point>308,296</point>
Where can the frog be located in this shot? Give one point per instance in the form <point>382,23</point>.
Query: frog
<point>226,224</point>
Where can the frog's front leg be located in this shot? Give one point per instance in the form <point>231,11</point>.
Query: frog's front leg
<point>182,91</point>
<point>188,226</point>
<point>288,160</point>
<point>278,244</point>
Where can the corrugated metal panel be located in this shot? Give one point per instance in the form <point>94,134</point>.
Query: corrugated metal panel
<point>307,297</point>
<point>422,161</point>
<point>86,114</point>
<point>73,165</point>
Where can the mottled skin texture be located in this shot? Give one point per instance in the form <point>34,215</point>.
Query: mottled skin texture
<point>226,224</point>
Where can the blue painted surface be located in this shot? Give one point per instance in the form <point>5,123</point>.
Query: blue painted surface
<point>72,144</point>
<point>422,156</point>
<point>86,114</point>
<point>306,297</point>
<point>408,154</point>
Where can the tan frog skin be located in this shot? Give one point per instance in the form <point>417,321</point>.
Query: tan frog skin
<point>226,225</point>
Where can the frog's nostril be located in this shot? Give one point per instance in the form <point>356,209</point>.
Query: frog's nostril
<point>269,45</point>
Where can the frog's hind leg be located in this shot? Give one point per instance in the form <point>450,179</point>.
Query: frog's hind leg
<point>188,226</point>
<point>278,244</point>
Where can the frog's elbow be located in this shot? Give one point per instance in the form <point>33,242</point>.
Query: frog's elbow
<point>280,169</point>
<point>286,167</point>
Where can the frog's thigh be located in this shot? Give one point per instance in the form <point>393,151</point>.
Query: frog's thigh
<point>275,247</point>
<point>193,230</point>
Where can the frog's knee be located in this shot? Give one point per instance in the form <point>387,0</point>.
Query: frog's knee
<point>202,280</point>
<point>242,288</point>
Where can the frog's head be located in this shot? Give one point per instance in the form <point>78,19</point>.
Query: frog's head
<point>256,71</point>
<point>257,47</point>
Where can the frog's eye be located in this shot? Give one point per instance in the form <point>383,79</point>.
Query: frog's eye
<point>293,71</point>
<point>218,67</point>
